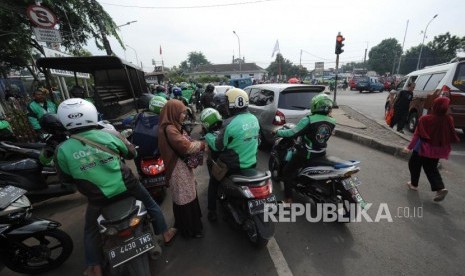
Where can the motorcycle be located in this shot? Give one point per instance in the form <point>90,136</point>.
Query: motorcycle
<point>324,179</point>
<point>127,238</point>
<point>28,244</point>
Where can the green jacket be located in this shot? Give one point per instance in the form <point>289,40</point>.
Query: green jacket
<point>5,125</point>
<point>99,175</point>
<point>237,141</point>
<point>316,129</point>
<point>35,111</point>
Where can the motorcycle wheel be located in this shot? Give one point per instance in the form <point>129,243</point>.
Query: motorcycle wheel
<point>40,252</point>
<point>347,200</point>
<point>273,166</point>
<point>254,236</point>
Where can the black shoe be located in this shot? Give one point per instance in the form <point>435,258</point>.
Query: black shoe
<point>212,217</point>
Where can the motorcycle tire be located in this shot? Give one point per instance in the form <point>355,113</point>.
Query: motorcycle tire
<point>274,167</point>
<point>15,256</point>
<point>254,236</point>
<point>347,199</point>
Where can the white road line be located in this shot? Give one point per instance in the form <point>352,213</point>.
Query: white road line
<point>278,259</point>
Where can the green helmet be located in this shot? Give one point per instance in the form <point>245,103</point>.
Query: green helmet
<point>210,118</point>
<point>156,104</point>
<point>321,104</point>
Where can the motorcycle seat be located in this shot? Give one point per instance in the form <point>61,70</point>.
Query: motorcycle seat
<point>331,161</point>
<point>20,165</point>
<point>37,146</point>
<point>119,210</point>
<point>249,175</point>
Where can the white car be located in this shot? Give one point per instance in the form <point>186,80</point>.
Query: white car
<point>222,88</point>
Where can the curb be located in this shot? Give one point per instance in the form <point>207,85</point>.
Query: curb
<point>372,143</point>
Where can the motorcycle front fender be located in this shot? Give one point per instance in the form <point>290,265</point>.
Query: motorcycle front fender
<point>266,229</point>
<point>34,225</point>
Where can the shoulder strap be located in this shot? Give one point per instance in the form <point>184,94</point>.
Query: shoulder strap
<point>94,144</point>
<point>169,144</point>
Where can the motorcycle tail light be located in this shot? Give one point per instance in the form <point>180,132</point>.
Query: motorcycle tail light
<point>125,233</point>
<point>152,166</point>
<point>279,118</point>
<point>260,191</point>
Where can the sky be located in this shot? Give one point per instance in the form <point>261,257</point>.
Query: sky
<point>309,27</point>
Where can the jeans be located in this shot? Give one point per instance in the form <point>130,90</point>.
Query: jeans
<point>92,239</point>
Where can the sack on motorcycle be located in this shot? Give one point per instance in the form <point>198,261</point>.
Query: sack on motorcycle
<point>219,169</point>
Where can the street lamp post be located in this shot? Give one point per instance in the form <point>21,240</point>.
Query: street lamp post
<point>137,58</point>
<point>424,35</point>
<point>127,23</point>
<point>240,58</point>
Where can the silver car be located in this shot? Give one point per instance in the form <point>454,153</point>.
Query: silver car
<point>275,104</point>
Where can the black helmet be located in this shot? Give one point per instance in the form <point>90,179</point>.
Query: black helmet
<point>77,92</point>
<point>160,88</point>
<point>210,88</point>
<point>51,124</point>
<point>144,100</point>
<point>199,85</point>
<point>220,103</point>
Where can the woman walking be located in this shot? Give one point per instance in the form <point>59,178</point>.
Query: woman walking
<point>430,142</point>
<point>174,145</point>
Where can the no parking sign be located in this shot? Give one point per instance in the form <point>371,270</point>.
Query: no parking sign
<point>41,16</point>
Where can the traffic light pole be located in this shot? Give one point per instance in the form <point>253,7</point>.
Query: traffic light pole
<point>335,84</point>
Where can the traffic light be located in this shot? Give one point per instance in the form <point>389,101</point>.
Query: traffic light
<point>339,44</point>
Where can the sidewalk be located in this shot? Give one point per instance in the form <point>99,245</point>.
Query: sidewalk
<point>352,125</point>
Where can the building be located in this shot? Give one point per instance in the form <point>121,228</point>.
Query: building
<point>230,71</point>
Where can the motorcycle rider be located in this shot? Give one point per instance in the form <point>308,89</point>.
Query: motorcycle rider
<point>39,106</point>
<point>98,174</point>
<point>315,129</point>
<point>236,143</point>
<point>160,91</point>
<point>198,95</point>
<point>207,97</point>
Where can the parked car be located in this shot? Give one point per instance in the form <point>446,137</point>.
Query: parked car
<point>446,80</point>
<point>369,84</point>
<point>353,82</point>
<point>275,104</point>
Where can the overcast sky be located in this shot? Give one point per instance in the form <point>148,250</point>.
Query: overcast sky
<point>181,26</point>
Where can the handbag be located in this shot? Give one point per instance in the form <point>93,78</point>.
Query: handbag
<point>191,160</point>
<point>389,116</point>
<point>219,169</point>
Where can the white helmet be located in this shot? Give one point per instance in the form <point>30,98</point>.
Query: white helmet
<point>76,113</point>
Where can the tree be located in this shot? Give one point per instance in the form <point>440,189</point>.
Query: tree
<point>383,57</point>
<point>194,60</point>
<point>284,67</point>
<point>445,48</point>
<point>79,21</point>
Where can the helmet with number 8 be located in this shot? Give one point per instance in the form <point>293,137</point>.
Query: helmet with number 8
<point>77,113</point>
<point>237,99</point>
<point>321,104</point>
<point>156,104</point>
<point>211,119</point>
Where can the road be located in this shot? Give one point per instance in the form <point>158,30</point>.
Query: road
<point>372,106</point>
<point>429,243</point>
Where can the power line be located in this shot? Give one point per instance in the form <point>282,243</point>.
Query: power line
<point>189,7</point>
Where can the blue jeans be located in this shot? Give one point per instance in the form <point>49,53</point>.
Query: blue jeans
<point>92,239</point>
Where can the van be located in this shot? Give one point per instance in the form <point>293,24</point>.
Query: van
<point>241,82</point>
<point>446,80</point>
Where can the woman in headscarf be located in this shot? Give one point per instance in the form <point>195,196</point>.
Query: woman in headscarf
<point>174,145</point>
<point>430,142</point>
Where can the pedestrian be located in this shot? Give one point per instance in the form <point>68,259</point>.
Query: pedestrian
<point>175,145</point>
<point>105,183</point>
<point>401,107</point>
<point>430,142</point>
<point>39,106</point>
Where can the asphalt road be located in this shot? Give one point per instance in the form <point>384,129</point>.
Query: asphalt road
<point>424,238</point>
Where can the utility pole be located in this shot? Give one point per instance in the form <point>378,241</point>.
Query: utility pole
<point>400,58</point>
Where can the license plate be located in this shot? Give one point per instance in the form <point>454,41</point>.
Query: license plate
<point>130,249</point>
<point>257,206</point>
<point>153,181</point>
<point>350,183</point>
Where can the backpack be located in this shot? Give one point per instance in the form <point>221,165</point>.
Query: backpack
<point>145,134</point>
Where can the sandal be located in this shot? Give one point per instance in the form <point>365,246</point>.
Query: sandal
<point>173,232</point>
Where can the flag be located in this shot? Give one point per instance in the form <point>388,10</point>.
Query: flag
<point>275,49</point>
<point>160,51</point>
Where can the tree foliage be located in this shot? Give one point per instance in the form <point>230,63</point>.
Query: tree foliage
<point>284,67</point>
<point>383,57</point>
<point>194,60</point>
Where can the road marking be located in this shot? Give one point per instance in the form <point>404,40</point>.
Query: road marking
<point>278,259</point>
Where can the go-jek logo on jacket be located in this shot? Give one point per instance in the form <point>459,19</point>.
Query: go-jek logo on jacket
<point>75,115</point>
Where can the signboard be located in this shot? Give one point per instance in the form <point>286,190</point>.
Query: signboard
<point>41,16</point>
<point>53,53</point>
<point>47,35</point>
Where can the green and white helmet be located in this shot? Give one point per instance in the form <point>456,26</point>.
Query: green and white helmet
<point>156,104</point>
<point>321,104</point>
<point>210,118</point>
